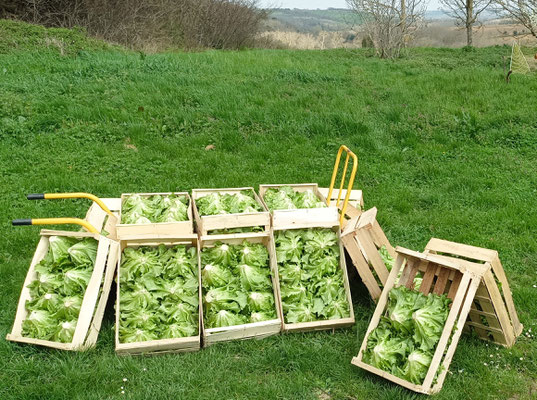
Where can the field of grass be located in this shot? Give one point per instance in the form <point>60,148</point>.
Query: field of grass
<point>446,147</point>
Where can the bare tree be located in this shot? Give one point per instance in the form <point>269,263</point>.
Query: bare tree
<point>522,11</point>
<point>466,14</point>
<point>390,24</point>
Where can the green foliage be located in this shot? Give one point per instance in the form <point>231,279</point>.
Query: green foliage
<point>311,281</point>
<point>236,284</point>
<point>405,340</point>
<point>20,36</point>
<point>237,203</point>
<point>138,209</point>
<point>56,294</point>
<point>285,198</point>
<point>158,296</point>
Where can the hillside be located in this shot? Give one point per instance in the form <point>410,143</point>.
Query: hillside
<point>21,36</point>
<point>446,149</point>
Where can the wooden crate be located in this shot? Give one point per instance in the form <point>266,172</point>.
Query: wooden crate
<point>207,223</point>
<point>160,346</point>
<point>93,303</point>
<point>156,230</point>
<point>256,330</point>
<point>355,205</point>
<point>459,281</point>
<point>493,315</point>
<point>325,324</point>
<point>304,217</point>
<point>362,238</point>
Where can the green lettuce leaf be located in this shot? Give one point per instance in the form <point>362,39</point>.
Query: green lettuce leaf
<point>261,301</point>
<point>429,321</point>
<point>65,331</point>
<point>224,318</point>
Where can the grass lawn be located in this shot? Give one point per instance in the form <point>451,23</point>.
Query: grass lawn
<point>446,148</point>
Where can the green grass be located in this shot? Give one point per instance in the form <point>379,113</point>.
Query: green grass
<point>446,149</point>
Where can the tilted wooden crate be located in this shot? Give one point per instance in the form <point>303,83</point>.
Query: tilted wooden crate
<point>95,297</point>
<point>256,330</point>
<point>362,238</point>
<point>493,315</point>
<point>159,229</point>
<point>459,280</point>
<point>159,346</point>
<point>323,324</point>
<point>303,217</point>
<point>207,223</point>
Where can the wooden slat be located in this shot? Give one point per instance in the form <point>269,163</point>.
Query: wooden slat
<point>371,254</point>
<point>478,325</point>
<point>428,278</point>
<point>463,250</point>
<point>361,265</point>
<point>498,307</point>
<point>367,219</point>
<point>474,283</point>
<point>500,274</point>
<point>381,239</point>
<point>446,332</point>
<point>454,285</point>
<point>441,282</point>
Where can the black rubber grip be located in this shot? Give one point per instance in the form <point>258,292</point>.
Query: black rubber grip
<point>36,196</point>
<point>21,222</point>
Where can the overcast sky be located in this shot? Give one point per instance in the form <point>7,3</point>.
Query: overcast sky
<point>314,4</point>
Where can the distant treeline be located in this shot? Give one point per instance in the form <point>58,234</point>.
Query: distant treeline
<point>148,23</point>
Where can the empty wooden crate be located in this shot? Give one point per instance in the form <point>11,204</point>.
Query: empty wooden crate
<point>458,281</point>
<point>364,239</point>
<point>93,302</point>
<point>493,315</point>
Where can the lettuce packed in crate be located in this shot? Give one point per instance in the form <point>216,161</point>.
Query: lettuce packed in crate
<point>56,294</point>
<point>143,209</point>
<point>311,279</point>
<point>158,296</point>
<point>285,198</point>
<point>236,203</point>
<point>237,285</point>
<point>403,343</point>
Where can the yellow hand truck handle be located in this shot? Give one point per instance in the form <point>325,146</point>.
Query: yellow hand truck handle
<point>50,196</point>
<point>55,221</point>
<point>351,180</point>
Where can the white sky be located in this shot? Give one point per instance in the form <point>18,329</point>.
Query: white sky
<point>323,4</point>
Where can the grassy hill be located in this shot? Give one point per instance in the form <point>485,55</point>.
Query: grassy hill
<point>20,36</point>
<point>446,148</point>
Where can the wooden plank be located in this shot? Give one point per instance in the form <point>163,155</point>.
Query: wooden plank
<point>454,285</point>
<point>463,250</point>
<point>498,307</point>
<point>388,376</point>
<point>411,265</point>
<point>428,278</point>
<point>367,219</point>
<point>95,327</point>
<point>500,274</point>
<point>412,270</point>
<point>441,282</point>
<point>381,239</point>
<point>446,332</point>
<point>480,326</point>
<point>371,254</point>
<point>474,283</point>
<point>362,267</point>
